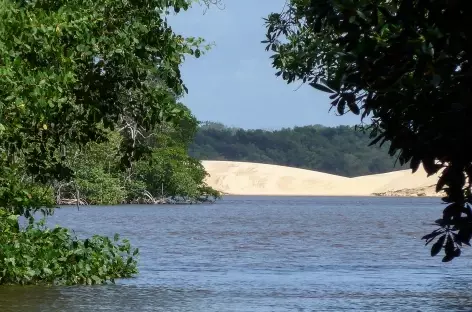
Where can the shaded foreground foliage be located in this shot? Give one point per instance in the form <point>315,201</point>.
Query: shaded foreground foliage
<point>85,88</point>
<point>404,64</point>
<point>341,150</point>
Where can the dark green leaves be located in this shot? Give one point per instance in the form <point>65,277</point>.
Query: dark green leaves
<point>464,235</point>
<point>430,165</point>
<point>345,99</point>
<point>341,106</point>
<point>415,163</point>
<point>406,67</point>
<point>443,179</point>
<point>449,250</point>
<point>321,87</point>
<point>436,248</point>
<point>449,240</point>
<point>351,103</point>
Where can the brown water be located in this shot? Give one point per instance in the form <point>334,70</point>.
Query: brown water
<point>266,254</point>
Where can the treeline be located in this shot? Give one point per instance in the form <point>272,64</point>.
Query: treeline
<point>339,150</point>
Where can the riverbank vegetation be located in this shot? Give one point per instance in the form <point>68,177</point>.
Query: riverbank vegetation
<point>89,112</point>
<point>339,150</point>
<point>164,174</point>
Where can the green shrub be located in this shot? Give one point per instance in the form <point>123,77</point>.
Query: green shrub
<point>35,254</point>
<point>99,187</point>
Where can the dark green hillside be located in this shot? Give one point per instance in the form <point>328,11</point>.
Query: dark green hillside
<point>341,150</point>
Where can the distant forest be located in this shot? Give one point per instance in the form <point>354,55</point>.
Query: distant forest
<point>337,150</point>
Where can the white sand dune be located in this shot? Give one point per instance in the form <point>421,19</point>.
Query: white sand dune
<point>245,178</point>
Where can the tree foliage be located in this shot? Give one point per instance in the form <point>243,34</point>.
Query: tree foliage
<point>404,64</point>
<point>70,66</point>
<point>71,73</point>
<point>341,150</point>
<point>97,174</point>
<point>172,173</point>
<point>166,174</point>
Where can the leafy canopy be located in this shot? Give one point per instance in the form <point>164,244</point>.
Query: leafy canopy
<point>71,71</point>
<point>406,65</point>
<point>166,174</point>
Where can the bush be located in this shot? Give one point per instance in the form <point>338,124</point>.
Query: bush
<point>171,172</point>
<point>35,254</point>
<point>99,187</point>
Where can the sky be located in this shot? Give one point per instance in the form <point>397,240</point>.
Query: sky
<point>234,83</point>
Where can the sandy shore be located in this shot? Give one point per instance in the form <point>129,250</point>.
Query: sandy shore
<point>244,178</point>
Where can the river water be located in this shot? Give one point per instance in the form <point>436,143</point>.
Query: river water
<point>266,254</point>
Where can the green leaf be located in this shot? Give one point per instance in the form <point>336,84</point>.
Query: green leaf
<point>47,271</point>
<point>341,106</point>
<point>433,234</point>
<point>448,258</point>
<point>96,279</point>
<point>13,217</point>
<point>415,163</point>
<point>443,179</point>
<point>436,248</point>
<point>353,107</point>
<point>361,15</point>
<point>321,87</point>
<point>430,166</point>
<point>449,248</point>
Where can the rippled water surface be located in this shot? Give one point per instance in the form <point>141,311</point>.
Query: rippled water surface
<point>266,254</point>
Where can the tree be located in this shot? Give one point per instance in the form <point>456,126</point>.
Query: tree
<point>97,176</point>
<point>171,173</point>
<point>309,147</point>
<point>165,174</point>
<point>406,64</point>
<point>71,71</point>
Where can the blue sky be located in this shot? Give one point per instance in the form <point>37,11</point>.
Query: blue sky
<point>234,83</point>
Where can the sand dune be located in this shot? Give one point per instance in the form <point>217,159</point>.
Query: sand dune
<point>245,178</point>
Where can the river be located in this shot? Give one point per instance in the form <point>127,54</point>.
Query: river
<point>266,254</point>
